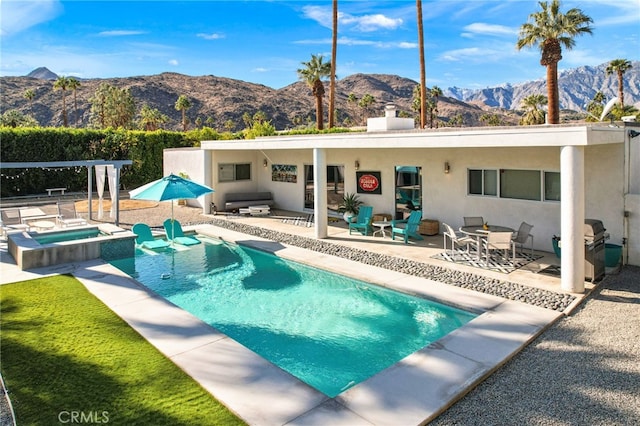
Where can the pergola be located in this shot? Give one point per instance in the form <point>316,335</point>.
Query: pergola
<point>89,164</point>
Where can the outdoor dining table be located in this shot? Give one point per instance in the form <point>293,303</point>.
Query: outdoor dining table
<point>480,232</point>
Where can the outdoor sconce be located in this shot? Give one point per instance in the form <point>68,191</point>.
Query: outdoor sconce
<point>447,168</point>
<point>264,163</point>
<point>633,133</point>
<point>357,165</point>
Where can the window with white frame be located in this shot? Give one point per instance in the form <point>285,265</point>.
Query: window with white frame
<point>483,182</point>
<point>233,172</point>
<point>515,184</point>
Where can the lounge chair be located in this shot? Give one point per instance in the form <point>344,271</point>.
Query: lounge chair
<point>145,238</point>
<point>67,215</point>
<point>407,227</point>
<point>363,220</point>
<point>473,221</point>
<point>522,236</point>
<point>12,221</point>
<point>175,234</point>
<point>457,240</point>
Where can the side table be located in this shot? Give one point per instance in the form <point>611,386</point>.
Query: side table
<point>382,224</point>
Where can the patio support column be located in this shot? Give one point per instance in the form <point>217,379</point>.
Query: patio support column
<point>572,218</point>
<point>208,172</point>
<point>90,191</point>
<point>117,196</point>
<point>320,192</point>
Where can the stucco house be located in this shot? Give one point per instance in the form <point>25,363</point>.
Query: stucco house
<point>551,176</point>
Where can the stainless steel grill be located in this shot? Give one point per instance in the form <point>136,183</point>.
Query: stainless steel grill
<point>594,254</point>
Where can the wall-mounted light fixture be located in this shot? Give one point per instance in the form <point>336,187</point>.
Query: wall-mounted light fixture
<point>633,133</point>
<point>264,163</point>
<point>447,168</point>
<point>357,165</point>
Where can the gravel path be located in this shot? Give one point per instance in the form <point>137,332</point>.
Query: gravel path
<point>585,370</point>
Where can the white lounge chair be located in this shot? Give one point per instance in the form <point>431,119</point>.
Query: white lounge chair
<point>67,215</point>
<point>12,221</point>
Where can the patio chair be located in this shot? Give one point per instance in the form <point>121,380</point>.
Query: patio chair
<point>67,215</point>
<point>363,220</point>
<point>457,239</point>
<point>407,228</point>
<point>500,241</point>
<point>175,234</point>
<point>145,238</point>
<point>473,221</point>
<point>12,221</point>
<point>522,236</point>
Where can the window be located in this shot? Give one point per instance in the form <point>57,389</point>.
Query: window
<point>483,182</point>
<point>233,172</point>
<point>516,184</point>
<point>551,186</point>
<point>520,184</point>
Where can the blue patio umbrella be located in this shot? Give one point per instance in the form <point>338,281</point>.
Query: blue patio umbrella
<point>169,188</point>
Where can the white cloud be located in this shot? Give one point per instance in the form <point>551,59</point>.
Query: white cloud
<point>174,62</point>
<point>488,29</point>
<point>120,33</point>
<point>18,16</point>
<point>365,23</point>
<point>493,54</point>
<point>261,69</point>
<point>348,41</point>
<point>212,36</point>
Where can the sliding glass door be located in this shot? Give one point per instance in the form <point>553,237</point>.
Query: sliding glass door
<point>408,190</point>
<point>335,187</point>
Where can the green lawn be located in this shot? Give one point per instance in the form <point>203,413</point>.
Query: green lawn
<point>64,353</point>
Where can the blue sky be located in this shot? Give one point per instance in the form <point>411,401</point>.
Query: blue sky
<point>468,44</point>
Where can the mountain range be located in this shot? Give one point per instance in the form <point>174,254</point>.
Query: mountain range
<point>223,100</point>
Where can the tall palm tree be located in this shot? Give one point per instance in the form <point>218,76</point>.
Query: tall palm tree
<point>183,104</point>
<point>62,83</point>
<point>619,67</point>
<point>550,30</point>
<point>73,84</point>
<point>312,74</point>
<point>534,113</point>
<point>334,49</point>
<point>423,73</point>
<point>29,94</point>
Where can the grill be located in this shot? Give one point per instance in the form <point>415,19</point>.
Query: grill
<point>594,254</point>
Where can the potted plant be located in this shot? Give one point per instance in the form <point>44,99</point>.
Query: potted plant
<point>350,206</point>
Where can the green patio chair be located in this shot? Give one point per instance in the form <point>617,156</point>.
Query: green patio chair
<point>175,234</point>
<point>145,238</point>
<point>363,221</point>
<point>407,228</point>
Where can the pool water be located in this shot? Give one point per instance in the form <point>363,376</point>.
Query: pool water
<point>330,331</point>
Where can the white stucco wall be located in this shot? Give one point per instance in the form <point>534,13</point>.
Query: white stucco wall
<point>190,161</point>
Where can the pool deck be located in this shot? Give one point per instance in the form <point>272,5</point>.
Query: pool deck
<point>413,391</point>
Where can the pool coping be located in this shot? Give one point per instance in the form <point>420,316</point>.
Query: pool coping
<point>413,391</point>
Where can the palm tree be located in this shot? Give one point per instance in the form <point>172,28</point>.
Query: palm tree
<point>334,49</point>
<point>73,84</point>
<point>435,92</point>
<point>62,83</point>
<point>550,30</point>
<point>423,73</point>
<point>29,94</point>
<point>365,103</point>
<point>183,104</point>
<point>534,113</point>
<point>619,67</point>
<point>312,74</point>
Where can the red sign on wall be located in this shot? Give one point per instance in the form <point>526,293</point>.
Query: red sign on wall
<point>369,182</point>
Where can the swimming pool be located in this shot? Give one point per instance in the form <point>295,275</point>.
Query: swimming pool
<point>330,331</point>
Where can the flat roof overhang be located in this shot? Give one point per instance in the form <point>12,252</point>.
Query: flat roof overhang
<point>480,137</point>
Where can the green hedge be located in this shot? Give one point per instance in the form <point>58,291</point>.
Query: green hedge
<point>63,144</point>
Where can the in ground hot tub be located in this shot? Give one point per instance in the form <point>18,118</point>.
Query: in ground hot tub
<point>38,249</point>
